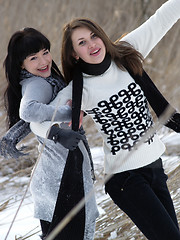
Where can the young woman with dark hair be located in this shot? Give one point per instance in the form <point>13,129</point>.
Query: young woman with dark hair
<point>116,92</point>
<point>22,44</point>
<point>33,81</point>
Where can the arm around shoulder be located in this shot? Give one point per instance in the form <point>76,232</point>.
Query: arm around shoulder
<point>35,107</point>
<point>42,129</point>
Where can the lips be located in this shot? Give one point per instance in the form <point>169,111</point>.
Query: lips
<point>43,69</point>
<point>95,52</point>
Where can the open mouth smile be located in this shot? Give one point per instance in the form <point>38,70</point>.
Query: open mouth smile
<point>44,69</point>
<point>96,52</point>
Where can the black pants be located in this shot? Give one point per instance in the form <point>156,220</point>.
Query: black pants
<point>143,195</point>
<point>45,228</point>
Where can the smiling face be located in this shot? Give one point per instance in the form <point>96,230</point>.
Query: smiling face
<point>39,63</point>
<point>87,46</point>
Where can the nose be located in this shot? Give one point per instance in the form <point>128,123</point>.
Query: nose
<point>91,44</point>
<point>42,60</point>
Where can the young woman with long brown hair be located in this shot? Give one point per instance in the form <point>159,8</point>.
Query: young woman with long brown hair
<point>116,92</point>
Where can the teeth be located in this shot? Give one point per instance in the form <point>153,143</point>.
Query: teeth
<point>43,68</point>
<point>95,52</point>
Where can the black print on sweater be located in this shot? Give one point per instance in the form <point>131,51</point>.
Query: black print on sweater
<point>124,118</point>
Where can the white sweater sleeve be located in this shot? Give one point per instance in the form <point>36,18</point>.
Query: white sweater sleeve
<point>146,37</point>
<point>41,129</point>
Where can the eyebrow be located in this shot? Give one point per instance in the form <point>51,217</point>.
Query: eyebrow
<point>79,39</point>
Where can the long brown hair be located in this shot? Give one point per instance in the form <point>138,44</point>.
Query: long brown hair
<point>124,55</point>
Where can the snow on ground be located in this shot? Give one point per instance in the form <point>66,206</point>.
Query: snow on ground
<point>25,225</point>
<point>24,222</point>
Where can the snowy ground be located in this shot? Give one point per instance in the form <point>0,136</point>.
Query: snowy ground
<point>27,227</point>
<point>10,200</point>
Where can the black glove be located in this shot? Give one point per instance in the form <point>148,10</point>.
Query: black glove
<point>66,137</point>
<point>174,122</point>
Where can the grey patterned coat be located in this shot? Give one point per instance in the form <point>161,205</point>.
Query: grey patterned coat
<point>37,93</point>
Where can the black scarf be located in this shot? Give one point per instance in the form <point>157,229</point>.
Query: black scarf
<point>72,188</point>
<point>94,69</point>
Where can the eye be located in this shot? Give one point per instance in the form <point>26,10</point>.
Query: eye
<point>46,52</point>
<point>33,58</point>
<point>94,35</point>
<point>82,43</point>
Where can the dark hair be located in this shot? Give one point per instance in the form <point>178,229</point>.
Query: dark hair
<point>22,44</point>
<point>124,55</point>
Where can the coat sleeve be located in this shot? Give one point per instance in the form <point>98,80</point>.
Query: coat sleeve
<point>37,93</point>
<point>41,128</point>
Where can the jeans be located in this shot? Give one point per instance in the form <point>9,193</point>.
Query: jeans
<point>143,195</point>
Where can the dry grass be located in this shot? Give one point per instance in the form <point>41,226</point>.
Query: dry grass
<point>116,17</point>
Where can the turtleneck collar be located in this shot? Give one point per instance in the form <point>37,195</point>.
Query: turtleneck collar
<point>95,69</point>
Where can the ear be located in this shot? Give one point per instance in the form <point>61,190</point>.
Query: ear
<point>75,56</point>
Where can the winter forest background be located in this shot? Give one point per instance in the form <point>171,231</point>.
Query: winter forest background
<point>116,17</point>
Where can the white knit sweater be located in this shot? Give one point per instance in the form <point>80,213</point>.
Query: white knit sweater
<point>118,105</point>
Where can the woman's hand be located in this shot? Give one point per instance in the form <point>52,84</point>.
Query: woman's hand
<point>66,137</point>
